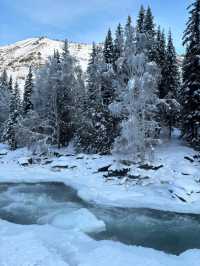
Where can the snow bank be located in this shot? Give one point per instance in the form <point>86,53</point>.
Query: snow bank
<point>49,246</point>
<point>25,249</point>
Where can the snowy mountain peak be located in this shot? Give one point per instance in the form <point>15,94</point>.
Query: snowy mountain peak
<point>16,58</point>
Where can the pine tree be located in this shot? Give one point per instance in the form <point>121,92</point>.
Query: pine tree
<point>161,60</point>
<point>172,71</point>
<point>118,44</point>
<point>158,49</point>
<point>9,134</point>
<point>17,97</point>
<point>169,84</point>
<point>28,90</point>
<point>4,97</point>
<point>96,133</point>
<point>141,20</point>
<point>91,72</point>
<point>191,77</point>
<point>4,80</point>
<point>10,84</point>
<point>57,88</point>
<point>129,38</point>
<point>149,26</point>
<point>149,30</point>
<point>108,48</point>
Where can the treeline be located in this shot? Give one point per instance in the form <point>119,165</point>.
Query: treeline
<point>132,91</point>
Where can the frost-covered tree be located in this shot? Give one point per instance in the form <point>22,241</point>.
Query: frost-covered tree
<point>28,90</point>
<point>138,103</point>
<point>191,77</point>
<point>56,85</point>
<point>97,130</point>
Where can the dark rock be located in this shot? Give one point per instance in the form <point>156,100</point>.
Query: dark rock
<point>60,167</point>
<point>48,162</point>
<point>134,177</point>
<point>189,159</point>
<point>104,169</point>
<point>150,167</point>
<point>57,154</point>
<point>118,173</point>
<point>182,199</point>
<point>126,162</point>
<point>80,158</point>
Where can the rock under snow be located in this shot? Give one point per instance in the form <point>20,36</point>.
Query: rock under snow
<point>25,161</point>
<point>3,152</point>
<point>82,220</point>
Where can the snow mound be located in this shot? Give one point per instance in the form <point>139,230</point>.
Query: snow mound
<point>82,220</point>
<point>26,250</point>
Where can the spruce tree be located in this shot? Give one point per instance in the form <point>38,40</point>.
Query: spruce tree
<point>141,20</point>
<point>161,60</point>
<point>149,25</point>
<point>17,97</point>
<point>191,77</point>
<point>10,84</point>
<point>172,71</point>
<point>169,86</point>
<point>157,46</point>
<point>118,44</point>
<point>129,37</point>
<point>9,134</point>
<point>96,133</point>
<point>4,80</point>
<point>28,90</point>
<point>91,72</point>
<point>149,30</point>
<point>108,48</point>
<point>4,97</point>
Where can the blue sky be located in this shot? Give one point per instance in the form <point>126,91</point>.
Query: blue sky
<point>83,20</point>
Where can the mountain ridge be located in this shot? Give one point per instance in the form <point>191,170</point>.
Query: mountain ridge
<point>16,58</point>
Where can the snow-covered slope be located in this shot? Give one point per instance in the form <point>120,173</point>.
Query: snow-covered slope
<point>16,58</point>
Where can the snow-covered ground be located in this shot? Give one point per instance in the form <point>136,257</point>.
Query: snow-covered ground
<point>173,187</point>
<point>49,246</point>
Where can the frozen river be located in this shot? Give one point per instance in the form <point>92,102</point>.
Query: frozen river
<point>37,203</point>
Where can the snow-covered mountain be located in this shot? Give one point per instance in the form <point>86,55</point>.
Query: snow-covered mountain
<point>16,58</point>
